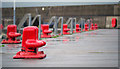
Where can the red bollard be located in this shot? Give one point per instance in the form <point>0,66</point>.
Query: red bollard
<point>1,26</point>
<point>11,35</point>
<point>86,27</point>
<point>45,31</point>
<point>65,29</point>
<point>30,44</point>
<point>114,22</point>
<point>83,30</point>
<point>96,26</point>
<point>92,27</point>
<point>77,29</point>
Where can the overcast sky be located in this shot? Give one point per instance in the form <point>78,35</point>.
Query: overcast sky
<point>61,0</point>
<point>38,3</point>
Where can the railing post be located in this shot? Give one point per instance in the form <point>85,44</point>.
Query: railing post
<point>55,27</point>
<point>61,25</point>
<point>75,24</point>
<point>14,14</point>
<point>39,34</point>
<point>71,25</point>
<point>89,23</point>
<point>82,24</point>
<point>29,19</point>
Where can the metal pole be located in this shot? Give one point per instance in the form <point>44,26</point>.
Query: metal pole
<point>29,19</point>
<point>75,24</point>
<point>61,25</point>
<point>89,23</point>
<point>84,23</point>
<point>14,14</point>
<point>39,34</point>
<point>81,24</point>
<point>55,27</point>
<point>71,25</point>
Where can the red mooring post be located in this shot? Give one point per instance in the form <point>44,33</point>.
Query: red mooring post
<point>1,26</point>
<point>45,31</point>
<point>86,27</point>
<point>114,22</point>
<point>77,29</point>
<point>96,26</point>
<point>92,26</point>
<point>65,29</point>
<point>11,35</point>
<point>30,45</point>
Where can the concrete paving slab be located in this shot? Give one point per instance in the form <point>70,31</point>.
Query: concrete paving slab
<point>97,48</point>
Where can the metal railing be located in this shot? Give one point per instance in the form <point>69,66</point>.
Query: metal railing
<point>56,22</point>
<point>54,18</point>
<point>75,21</point>
<point>39,34</point>
<point>37,16</point>
<point>61,18</point>
<point>23,20</point>
<point>70,21</point>
<point>33,21</point>
<point>89,23</point>
<point>82,23</point>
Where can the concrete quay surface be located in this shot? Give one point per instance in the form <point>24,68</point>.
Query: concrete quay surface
<point>97,48</point>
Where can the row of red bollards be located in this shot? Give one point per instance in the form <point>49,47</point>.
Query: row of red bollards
<point>30,42</point>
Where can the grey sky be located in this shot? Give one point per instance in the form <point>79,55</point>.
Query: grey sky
<point>38,3</point>
<point>61,0</point>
